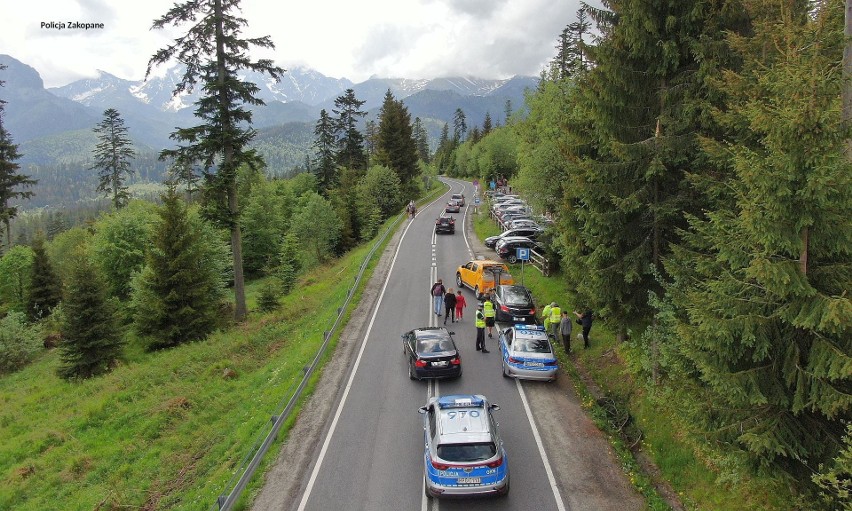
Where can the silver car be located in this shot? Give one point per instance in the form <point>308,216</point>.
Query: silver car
<point>463,453</point>
<point>526,353</point>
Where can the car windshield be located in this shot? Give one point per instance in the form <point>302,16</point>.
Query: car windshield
<point>532,345</point>
<point>515,295</point>
<point>467,452</point>
<point>434,345</point>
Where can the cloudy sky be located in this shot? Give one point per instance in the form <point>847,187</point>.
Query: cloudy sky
<point>354,39</point>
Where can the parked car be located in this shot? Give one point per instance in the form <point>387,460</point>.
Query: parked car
<point>523,223</point>
<point>452,206</point>
<point>526,353</point>
<point>514,304</point>
<point>463,453</point>
<point>431,353</point>
<point>507,204</point>
<point>445,224</point>
<point>507,247</point>
<point>530,232</point>
<point>458,197</point>
<point>482,275</point>
<point>520,210</point>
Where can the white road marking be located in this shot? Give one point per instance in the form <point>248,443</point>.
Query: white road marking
<point>333,427</point>
<point>556,495</point>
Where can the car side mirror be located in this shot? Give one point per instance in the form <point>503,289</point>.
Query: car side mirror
<point>493,408</point>
<point>423,409</point>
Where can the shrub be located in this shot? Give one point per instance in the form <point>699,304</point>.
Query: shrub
<point>19,342</point>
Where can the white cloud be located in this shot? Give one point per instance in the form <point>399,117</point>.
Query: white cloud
<point>399,38</point>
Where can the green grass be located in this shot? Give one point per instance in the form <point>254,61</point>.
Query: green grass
<point>704,479</point>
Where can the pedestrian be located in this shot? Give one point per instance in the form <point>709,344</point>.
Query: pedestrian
<point>480,329</point>
<point>437,292</point>
<point>450,306</point>
<point>545,316</point>
<point>565,328</point>
<point>555,320</point>
<point>460,305</point>
<point>490,314</point>
<point>585,319</point>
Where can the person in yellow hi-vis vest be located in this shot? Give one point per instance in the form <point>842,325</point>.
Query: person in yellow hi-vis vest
<point>490,315</point>
<point>545,316</point>
<point>555,319</point>
<point>480,330</point>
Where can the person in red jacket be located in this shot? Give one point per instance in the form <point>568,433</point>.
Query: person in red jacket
<point>460,305</point>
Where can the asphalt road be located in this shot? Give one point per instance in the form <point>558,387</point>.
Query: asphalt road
<point>365,451</point>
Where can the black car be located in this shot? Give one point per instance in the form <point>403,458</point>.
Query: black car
<point>431,353</point>
<point>530,232</point>
<point>506,248</point>
<point>445,224</point>
<point>514,304</point>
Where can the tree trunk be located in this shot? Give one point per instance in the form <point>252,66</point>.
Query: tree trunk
<point>230,170</point>
<point>803,255</point>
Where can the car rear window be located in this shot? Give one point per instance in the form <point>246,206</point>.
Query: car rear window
<point>434,345</point>
<point>532,345</point>
<point>467,452</point>
<point>515,296</point>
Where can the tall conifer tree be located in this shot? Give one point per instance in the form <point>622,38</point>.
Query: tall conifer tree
<point>180,295</point>
<point>45,288</point>
<point>91,340</point>
<point>760,286</point>
<point>421,138</point>
<point>396,147</point>
<point>10,179</point>
<point>112,157</point>
<point>213,53</point>
<point>632,187</point>
<point>350,141</point>
<point>325,144</point>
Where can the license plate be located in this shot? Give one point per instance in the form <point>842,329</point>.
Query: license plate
<point>516,318</point>
<point>442,363</point>
<point>534,364</point>
<point>470,480</point>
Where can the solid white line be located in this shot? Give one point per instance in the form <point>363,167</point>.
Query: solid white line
<point>556,495</point>
<point>331,430</point>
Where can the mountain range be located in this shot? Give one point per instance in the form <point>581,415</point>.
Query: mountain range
<point>53,126</point>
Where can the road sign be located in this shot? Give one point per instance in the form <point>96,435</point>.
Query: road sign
<point>523,254</point>
<point>476,201</point>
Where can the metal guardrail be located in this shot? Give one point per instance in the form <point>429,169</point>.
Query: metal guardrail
<point>226,502</point>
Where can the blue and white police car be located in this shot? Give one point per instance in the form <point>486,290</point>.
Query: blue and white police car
<point>527,353</point>
<point>464,455</point>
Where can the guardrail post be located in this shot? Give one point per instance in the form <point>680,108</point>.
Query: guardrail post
<point>221,500</point>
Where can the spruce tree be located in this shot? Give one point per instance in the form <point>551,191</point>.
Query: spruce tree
<point>112,157</point>
<point>641,98</point>
<point>179,296</point>
<point>350,141</point>
<point>486,124</point>
<point>91,341</point>
<point>213,53</point>
<point>760,284</point>
<point>45,288</point>
<point>10,179</point>
<point>396,147</point>
<point>459,126</point>
<point>421,138</point>
<point>324,145</point>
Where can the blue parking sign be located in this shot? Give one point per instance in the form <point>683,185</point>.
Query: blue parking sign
<point>523,254</point>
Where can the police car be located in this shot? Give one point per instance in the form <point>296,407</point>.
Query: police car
<point>526,353</point>
<point>464,455</point>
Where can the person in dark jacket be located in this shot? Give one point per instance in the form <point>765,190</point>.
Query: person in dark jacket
<point>450,306</point>
<point>585,320</point>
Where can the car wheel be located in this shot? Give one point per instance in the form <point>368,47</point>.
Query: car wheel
<point>476,292</point>
<point>411,374</point>
<point>459,282</point>
<point>503,367</point>
<point>512,259</point>
<point>505,490</point>
<point>426,489</point>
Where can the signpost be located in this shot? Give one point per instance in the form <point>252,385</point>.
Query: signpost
<point>523,255</point>
<point>476,204</point>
